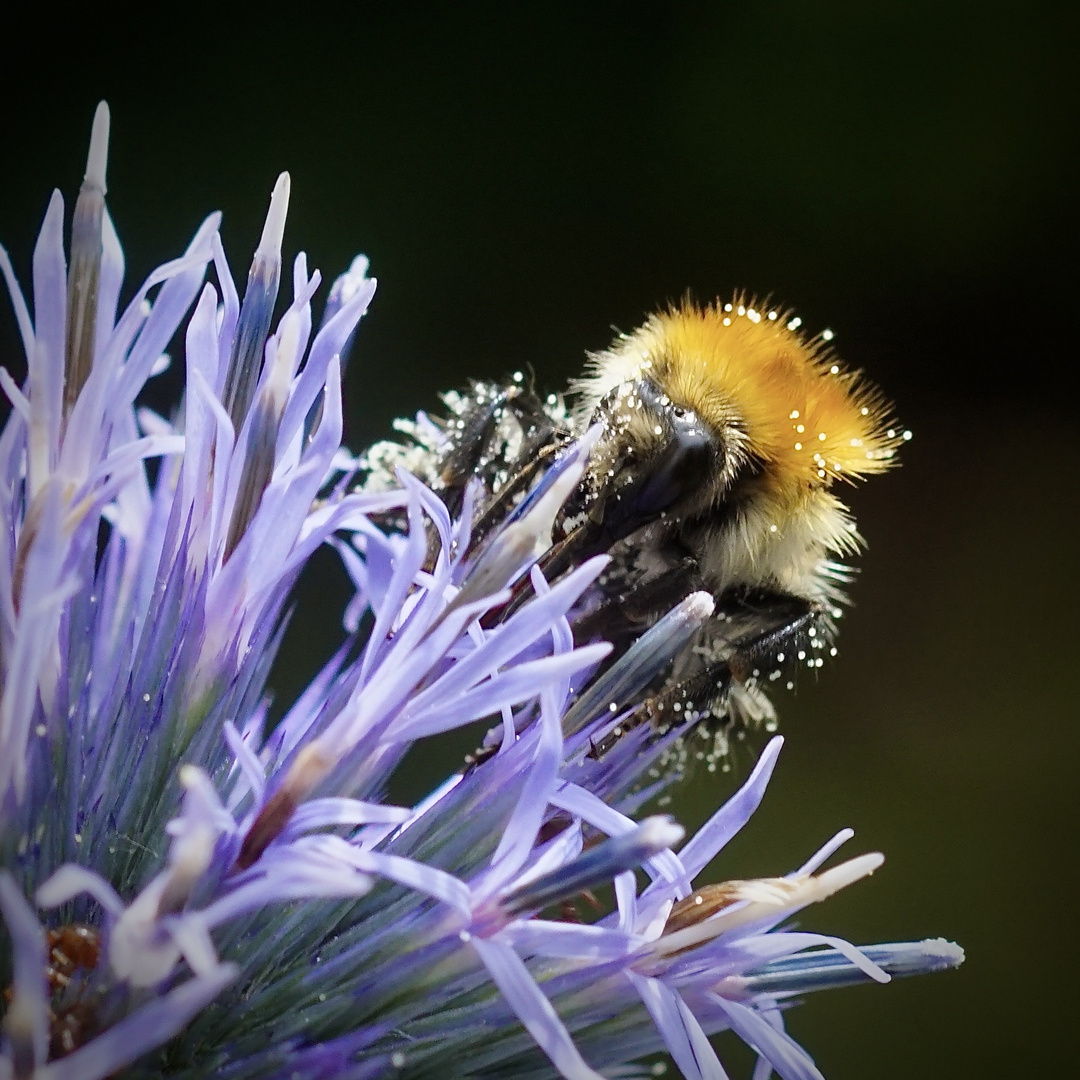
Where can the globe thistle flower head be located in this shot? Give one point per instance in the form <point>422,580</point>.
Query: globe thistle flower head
<point>187,893</point>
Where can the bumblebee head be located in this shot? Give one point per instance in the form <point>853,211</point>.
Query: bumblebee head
<point>655,457</point>
<point>704,407</point>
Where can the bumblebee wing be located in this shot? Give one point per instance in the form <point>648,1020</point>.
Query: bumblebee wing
<point>499,435</point>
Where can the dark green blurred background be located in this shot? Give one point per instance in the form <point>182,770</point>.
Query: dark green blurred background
<point>524,180</point>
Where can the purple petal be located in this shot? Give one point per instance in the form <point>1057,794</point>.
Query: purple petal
<point>786,1056</point>
<point>326,346</point>
<point>50,297</point>
<point>823,853</point>
<point>596,866</point>
<point>17,398</point>
<point>18,302</point>
<point>541,937</point>
<point>44,589</point>
<point>172,302</point>
<point>678,1027</point>
<point>666,867</point>
<point>230,313</point>
<point>247,760</point>
<point>70,880</point>
<point>331,338</point>
<point>697,853</point>
<point>405,568</point>
<point>200,427</point>
<point>510,687</point>
<point>193,940</point>
<point>110,280</point>
<point>519,834</point>
<point>511,976</point>
<point>327,812</point>
<point>521,629</point>
<point>416,875</point>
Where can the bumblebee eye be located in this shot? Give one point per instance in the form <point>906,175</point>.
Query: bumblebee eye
<point>691,454</point>
<point>664,472</point>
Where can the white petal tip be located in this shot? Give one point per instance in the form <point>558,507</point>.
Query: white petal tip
<point>98,156</point>
<point>946,951</point>
<point>661,832</point>
<point>840,877</point>
<point>699,605</point>
<point>282,187</point>
<point>274,229</point>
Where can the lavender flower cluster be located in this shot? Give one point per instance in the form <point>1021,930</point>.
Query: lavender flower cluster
<point>185,893</point>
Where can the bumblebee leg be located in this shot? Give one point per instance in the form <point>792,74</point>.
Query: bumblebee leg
<point>474,440</point>
<point>622,616</point>
<point>750,637</point>
<point>755,630</point>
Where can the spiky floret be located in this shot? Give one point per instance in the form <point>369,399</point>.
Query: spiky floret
<point>185,894</point>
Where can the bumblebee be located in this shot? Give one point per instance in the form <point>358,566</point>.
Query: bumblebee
<point>725,434</point>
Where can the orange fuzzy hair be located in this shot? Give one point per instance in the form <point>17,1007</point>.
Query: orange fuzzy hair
<point>739,363</point>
